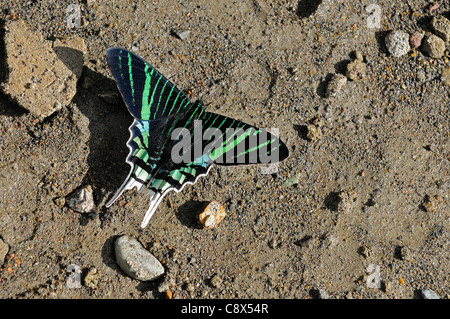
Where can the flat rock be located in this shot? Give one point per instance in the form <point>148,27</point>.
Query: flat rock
<point>41,76</point>
<point>135,260</point>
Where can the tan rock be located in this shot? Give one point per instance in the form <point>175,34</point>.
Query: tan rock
<point>434,46</point>
<point>212,215</point>
<point>441,26</point>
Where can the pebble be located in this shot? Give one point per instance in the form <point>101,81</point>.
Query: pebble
<point>313,132</point>
<point>365,251</point>
<point>293,180</point>
<point>397,43</point>
<point>430,203</point>
<point>135,260</point>
<point>323,294</point>
<point>82,200</point>
<point>403,253</point>
<point>183,34</point>
<point>445,76</point>
<point>359,56</point>
<point>429,294</point>
<point>335,85</point>
<point>346,200</point>
<point>356,70</point>
<point>215,281</point>
<point>42,75</point>
<point>60,202</point>
<point>269,169</point>
<point>421,76</point>
<point>434,46</point>
<point>91,278</point>
<point>441,26</point>
<point>4,248</point>
<point>212,215</point>
<point>416,40</point>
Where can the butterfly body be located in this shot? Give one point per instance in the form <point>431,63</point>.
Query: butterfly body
<point>174,141</point>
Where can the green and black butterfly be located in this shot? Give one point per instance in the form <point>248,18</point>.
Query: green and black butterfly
<point>174,141</point>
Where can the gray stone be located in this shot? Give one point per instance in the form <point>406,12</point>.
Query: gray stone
<point>41,75</point>
<point>136,261</point>
<point>429,294</point>
<point>183,34</point>
<point>397,43</point>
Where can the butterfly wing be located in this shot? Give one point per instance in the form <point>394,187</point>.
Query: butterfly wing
<point>231,142</point>
<point>147,94</point>
<point>159,108</point>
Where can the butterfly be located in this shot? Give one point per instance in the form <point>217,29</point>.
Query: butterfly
<point>174,141</point>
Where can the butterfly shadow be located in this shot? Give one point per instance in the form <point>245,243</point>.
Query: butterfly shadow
<point>100,115</point>
<point>188,212</point>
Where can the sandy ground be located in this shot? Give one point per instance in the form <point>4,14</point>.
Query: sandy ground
<point>372,191</point>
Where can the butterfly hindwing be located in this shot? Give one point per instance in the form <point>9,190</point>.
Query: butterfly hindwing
<point>147,94</point>
<point>147,142</point>
<point>231,142</point>
<point>223,141</point>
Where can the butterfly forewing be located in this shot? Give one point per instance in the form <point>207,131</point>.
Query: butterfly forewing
<point>147,94</point>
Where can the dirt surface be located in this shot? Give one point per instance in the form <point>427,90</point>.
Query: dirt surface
<point>373,179</point>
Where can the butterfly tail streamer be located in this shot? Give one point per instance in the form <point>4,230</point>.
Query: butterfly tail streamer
<point>154,203</point>
<point>129,183</point>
